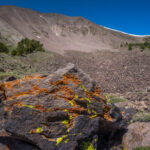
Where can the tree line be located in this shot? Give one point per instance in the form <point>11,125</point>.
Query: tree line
<point>24,47</point>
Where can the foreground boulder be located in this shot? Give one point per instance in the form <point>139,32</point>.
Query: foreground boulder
<point>138,135</point>
<point>63,111</point>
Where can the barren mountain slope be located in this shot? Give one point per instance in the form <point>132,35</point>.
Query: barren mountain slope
<point>58,32</point>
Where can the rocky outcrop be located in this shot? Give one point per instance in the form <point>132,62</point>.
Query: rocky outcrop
<point>65,110</point>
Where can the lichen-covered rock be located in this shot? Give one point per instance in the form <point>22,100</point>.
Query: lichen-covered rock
<point>65,110</point>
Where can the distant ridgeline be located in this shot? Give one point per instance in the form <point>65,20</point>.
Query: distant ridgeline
<point>24,47</point>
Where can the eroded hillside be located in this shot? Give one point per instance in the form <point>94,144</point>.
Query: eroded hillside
<point>58,32</point>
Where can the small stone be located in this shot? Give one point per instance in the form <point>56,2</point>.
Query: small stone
<point>11,78</point>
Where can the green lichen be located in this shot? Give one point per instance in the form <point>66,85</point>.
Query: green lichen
<point>58,140</point>
<point>71,103</point>
<point>89,111</point>
<point>65,110</point>
<point>96,140</point>
<point>84,98</point>
<point>30,106</point>
<point>107,99</point>
<point>39,130</point>
<point>82,87</point>
<point>91,147</point>
<point>66,141</point>
<point>65,122</point>
<point>70,117</point>
<point>39,100</point>
<point>76,96</point>
<point>68,130</point>
<point>18,110</point>
<point>95,114</point>
<point>87,146</point>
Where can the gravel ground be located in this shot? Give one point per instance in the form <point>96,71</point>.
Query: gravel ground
<point>116,71</point>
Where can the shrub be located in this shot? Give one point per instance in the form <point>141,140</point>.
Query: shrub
<point>27,46</point>
<point>116,99</point>
<point>142,117</point>
<point>3,48</point>
<point>142,47</point>
<point>13,52</point>
<point>142,148</point>
<point>129,47</point>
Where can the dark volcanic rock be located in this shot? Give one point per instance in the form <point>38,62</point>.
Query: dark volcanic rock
<point>65,110</point>
<point>14,144</point>
<point>11,78</point>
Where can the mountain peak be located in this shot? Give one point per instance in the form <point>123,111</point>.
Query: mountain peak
<point>58,32</point>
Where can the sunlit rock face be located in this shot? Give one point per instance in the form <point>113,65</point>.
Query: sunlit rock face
<point>65,110</point>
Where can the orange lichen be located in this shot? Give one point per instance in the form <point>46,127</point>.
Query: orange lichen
<point>76,110</point>
<point>72,78</point>
<point>11,84</point>
<point>7,147</point>
<point>40,107</point>
<point>31,131</point>
<point>60,90</point>
<point>66,78</point>
<point>122,112</point>
<point>3,134</point>
<point>66,93</point>
<point>107,117</point>
<point>2,87</point>
<point>33,77</point>
<point>97,93</point>
<point>34,91</point>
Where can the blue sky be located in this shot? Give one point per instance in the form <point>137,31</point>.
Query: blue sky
<point>130,16</point>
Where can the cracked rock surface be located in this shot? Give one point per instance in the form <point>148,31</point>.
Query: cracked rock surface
<point>65,110</point>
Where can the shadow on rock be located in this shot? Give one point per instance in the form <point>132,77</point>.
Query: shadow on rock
<point>7,143</point>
